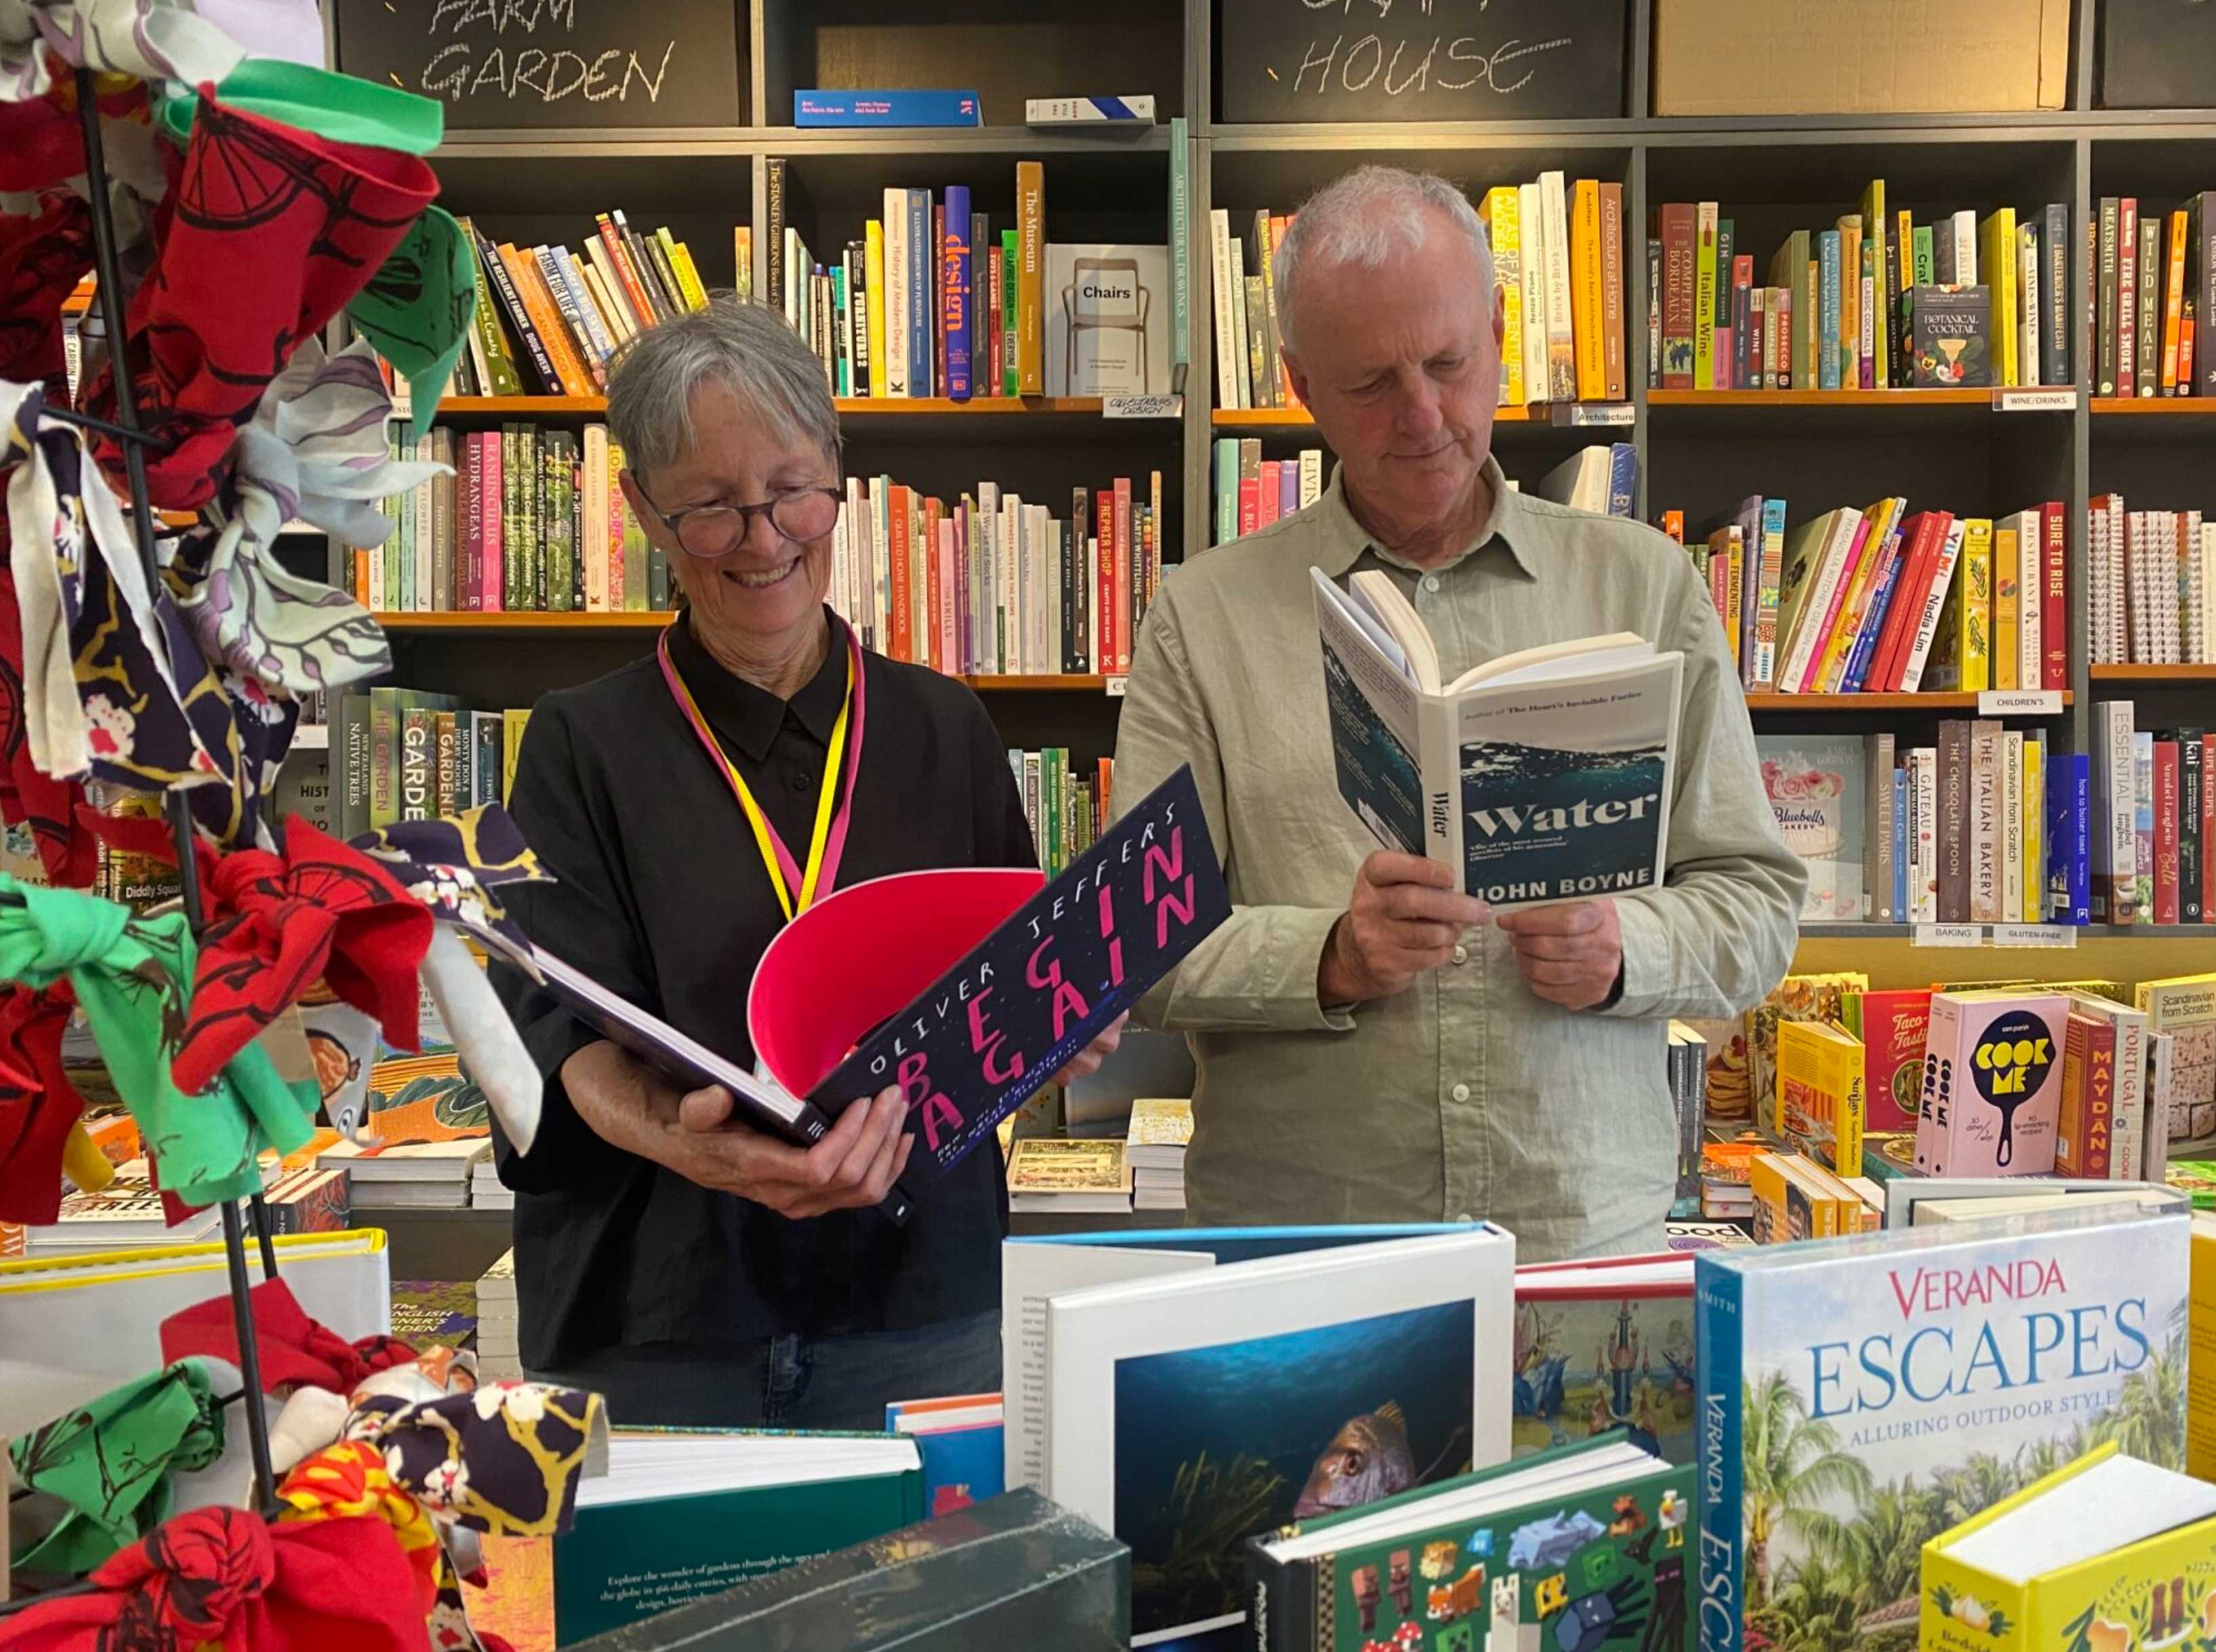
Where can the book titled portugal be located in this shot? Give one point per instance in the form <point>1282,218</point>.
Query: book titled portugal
<point>1541,776</point>
<point>1859,1396</point>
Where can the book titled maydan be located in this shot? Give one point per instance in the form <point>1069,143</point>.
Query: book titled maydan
<point>1541,776</point>
<point>1859,1397</point>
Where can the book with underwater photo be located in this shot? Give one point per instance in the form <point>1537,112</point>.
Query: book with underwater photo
<point>1541,776</point>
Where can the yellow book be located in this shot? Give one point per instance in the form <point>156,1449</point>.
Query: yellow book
<point>688,277</point>
<point>1585,271</point>
<point>2110,1554</point>
<point>1820,1104</point>
<point>873,284</point>
<point>1704,295</point>
<point>1503,217</point>
<point>2034,833</point>
<point>1840,645</point>
<point>512,724</point>
<point>2201,1351</point>
<point>2007,553</point>
<point>1789,1204</point>
<point>1997,256</point>
<point>1975,612</point>
<point>1850,301</point>
<point>1873,228</point>
<point>1030,277</point>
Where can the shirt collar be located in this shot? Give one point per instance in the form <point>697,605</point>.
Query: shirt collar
<point>749,716</point>
<point>1346,539</point>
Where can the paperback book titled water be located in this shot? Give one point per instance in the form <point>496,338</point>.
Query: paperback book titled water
<point>1860,1396</point>
<point>1541,776</point>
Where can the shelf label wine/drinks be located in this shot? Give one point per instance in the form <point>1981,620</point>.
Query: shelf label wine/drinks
<point>2019,702</point>
<point>1948,935</point>
<point>1115,686</point>
<point>1142,406</point>
<point>1582,416</point>
<point>2057,398</point>
<point>2035,935</point>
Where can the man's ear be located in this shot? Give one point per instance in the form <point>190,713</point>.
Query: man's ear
<point>1295,376</point>
<point>1499,319</point>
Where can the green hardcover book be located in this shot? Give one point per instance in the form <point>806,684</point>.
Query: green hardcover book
<point>400,571</point>
<point>1787,270</point>
<point>1726,240</point>
<point>1556,1549</point>
<point>1008,330</point>
<point>440,597</point>
<point>637,564</point>
<point>558,468</point>
<point>383,757</point>
<point>499,360</point>
<point>485,765</point>
<point>657,1531</point>
<point>510,528</point>
<point>449,795</point>
<point>1926,268</point>
<point>418,779</point>
<point>1050,806</point>
<point>534,507</point>
<point>351,733</point>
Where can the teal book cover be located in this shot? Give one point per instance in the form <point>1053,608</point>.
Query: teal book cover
<point>1827,340</point>
<point>623,1562</point>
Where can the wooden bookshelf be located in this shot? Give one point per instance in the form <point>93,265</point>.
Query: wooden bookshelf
<point>1071,682</point>
<point>1873,401</point>
<point>2169,407</point>
<point>1302,418</point>
<point>2154,673</point>
<point>1824,703</point>
<point>868,407</point>
<point>470,621</point>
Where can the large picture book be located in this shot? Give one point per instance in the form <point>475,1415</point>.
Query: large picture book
<point>1585,1546</point>
<point>1185,1390</point>
<point>1859,1396</point>
<point>1539,776</point>
<point>1605,1345</point>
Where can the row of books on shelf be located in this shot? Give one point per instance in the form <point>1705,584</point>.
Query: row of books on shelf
<point>1251,492</point>
<point>2154,820</point>
<point>527,518</point>
<point>2154,585</point>
<point>1067,810</point>
<point>993,585</point>
<point>1875,302</point>
<point>1884,600</point>
<point>408,754</point>
<point>547,319</point>
<point>2152,300</point>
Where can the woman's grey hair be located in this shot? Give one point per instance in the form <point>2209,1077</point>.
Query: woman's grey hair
<point>748,349</point>
<point>1364,218</point>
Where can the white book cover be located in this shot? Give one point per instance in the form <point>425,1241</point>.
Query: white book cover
<point>1107,319</point>
<point>2030,586</point>
<point>2207,600</point>
<point>1837,541</point>
<point>2115,874</point>
<point>1243,366</point>
<point>2118,652</point>
<point>1010,596</point>
<point>1815,785</point>
<point>1985,823</point>
<point>1966,247</point>
<point>1531,219</point>
<point>1927,628</point>
<point>896,291</point>
<point>1561,380</point>
<point>1230,1397</point>
<point>2097,556</point>
<point>1923,804</point>
<point>2011,827</point>
<point>2170,585</point>
<point>2027,289</point>
<point>1228,375</point>
<point>1311,476</point>
<point>2193,599</point>
<point>985,552</point>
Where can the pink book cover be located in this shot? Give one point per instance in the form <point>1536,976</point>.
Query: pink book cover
<point>491,593</point>
<point>950,644</point>
<point>1992,1083</point>
<point>1838,599</point>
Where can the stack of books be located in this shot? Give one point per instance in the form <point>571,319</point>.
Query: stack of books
<point>530,520</point>
<point>1155,1147</point>
<point>126,1215</point>
<point>1060,1176</point>
<point>2153,827</point>
<point>1602,479</point>
<point>403,754</point>
<point>2153,585</point>
<point>1875,302</point>
<point>2153,317</point>
<point>486,1190</point>
<point>1067,811</point>
<point>1885,600</point>
<point>547,319</point>
<point>1796,1198</point>
<point>499,1356</point>
<point>409,1176</point>
<point>993,585</point>
<point>1253,492</point>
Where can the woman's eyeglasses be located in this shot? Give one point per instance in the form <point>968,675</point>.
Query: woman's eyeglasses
<point>710,531</point>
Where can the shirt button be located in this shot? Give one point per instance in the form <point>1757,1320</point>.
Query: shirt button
<point>1462,954</point>
<point>1460,1092</point>
<point>1431,581</point>
<point>803,781</point>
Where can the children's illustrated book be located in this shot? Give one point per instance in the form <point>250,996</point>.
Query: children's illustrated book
<point>1606,1345</point>
<point>1584,1547</point>
<point>969,988</point>
<point>1539,776</point>
<point>1859,1397</point>
<point>1185,1390</point>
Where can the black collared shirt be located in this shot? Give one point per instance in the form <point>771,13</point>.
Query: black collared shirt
<point>661,895</point>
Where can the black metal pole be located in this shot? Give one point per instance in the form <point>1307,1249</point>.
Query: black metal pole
<point>260,1210</point>
<point>109,269</point>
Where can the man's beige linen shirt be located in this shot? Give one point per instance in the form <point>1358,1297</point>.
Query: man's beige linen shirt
<point>1464,1095</point>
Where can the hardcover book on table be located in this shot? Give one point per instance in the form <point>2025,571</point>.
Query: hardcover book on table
<point>1541,776</point>
<point>1859,1395</point>
<point>1188,1388</point>
<point>1606,1345</point>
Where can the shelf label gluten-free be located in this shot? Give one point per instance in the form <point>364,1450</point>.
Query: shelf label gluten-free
<point>2035,935</point>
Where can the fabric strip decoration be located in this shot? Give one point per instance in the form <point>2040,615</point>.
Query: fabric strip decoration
<point>39,1105</point>
<point>295,1348</point>
<point>152,39</point>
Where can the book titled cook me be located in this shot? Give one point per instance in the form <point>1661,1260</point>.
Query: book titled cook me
<point>967,987</point>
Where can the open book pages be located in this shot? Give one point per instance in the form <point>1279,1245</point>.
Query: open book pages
<point>1541,776</point>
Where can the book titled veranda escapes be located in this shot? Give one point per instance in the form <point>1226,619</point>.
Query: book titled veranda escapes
<point>1859,1397</point>
<point>1541,776</point>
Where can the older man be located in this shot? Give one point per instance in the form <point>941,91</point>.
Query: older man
<point>1372,1043</point>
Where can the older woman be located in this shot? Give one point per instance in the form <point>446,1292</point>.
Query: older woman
<point>690,1269</point>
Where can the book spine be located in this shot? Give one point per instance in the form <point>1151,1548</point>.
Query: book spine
<point>575,355</point>
<point>2192,781</point>
<point>1680,295</point>
<point>1719,1328</point>
<point>2106,332</point>
<point>2115,890</point>
<point>1180,257</point>
<point>1561,341</point>
<point>1030,277</point>
<point>937,229</point>
<point>1827,343</point>
<point>1704,295</point>
<point>1227,376</point>
<point>2054,596</point>
<point>501,375</point>
<point>2167,832</point>
<point>2201,294</point>
<point>954,275</point>
<point>495,266</point>
<point>1878,847</point>
<point>1729,316</point>
<point>1262,321</point>
<point>470,572</point>
<point>2149,318</point>
<point>1953,821</point>
<point>1589,340</point>
<point>2173,301</point>
<point>875,300</point>
<point>1614,369</point>
<point>922,280</point>
<point>897,281</point>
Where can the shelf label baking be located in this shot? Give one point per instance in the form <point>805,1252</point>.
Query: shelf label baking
<point>1948,935</point>
<point>1115,687</point>
<point>1142,406</point>
<point>2035,935</point>
<point>1579,415</point>
<point>2059,398</point>
<point>2019,702</point>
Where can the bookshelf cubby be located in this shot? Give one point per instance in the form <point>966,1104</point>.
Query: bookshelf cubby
<point>1700,450</point>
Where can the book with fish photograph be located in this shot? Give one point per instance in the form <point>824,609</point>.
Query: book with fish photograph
<point>1199,1388</point>
<point>1606,1345</point>
<point>1540,777</point>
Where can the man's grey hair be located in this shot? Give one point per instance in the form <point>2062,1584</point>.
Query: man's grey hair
<point>1371,215</point>
<point>748,349</point>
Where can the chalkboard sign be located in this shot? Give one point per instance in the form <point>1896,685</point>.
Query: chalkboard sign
<point>1422,59</point>
<point>552,62</point>
<point>2157,54</point>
